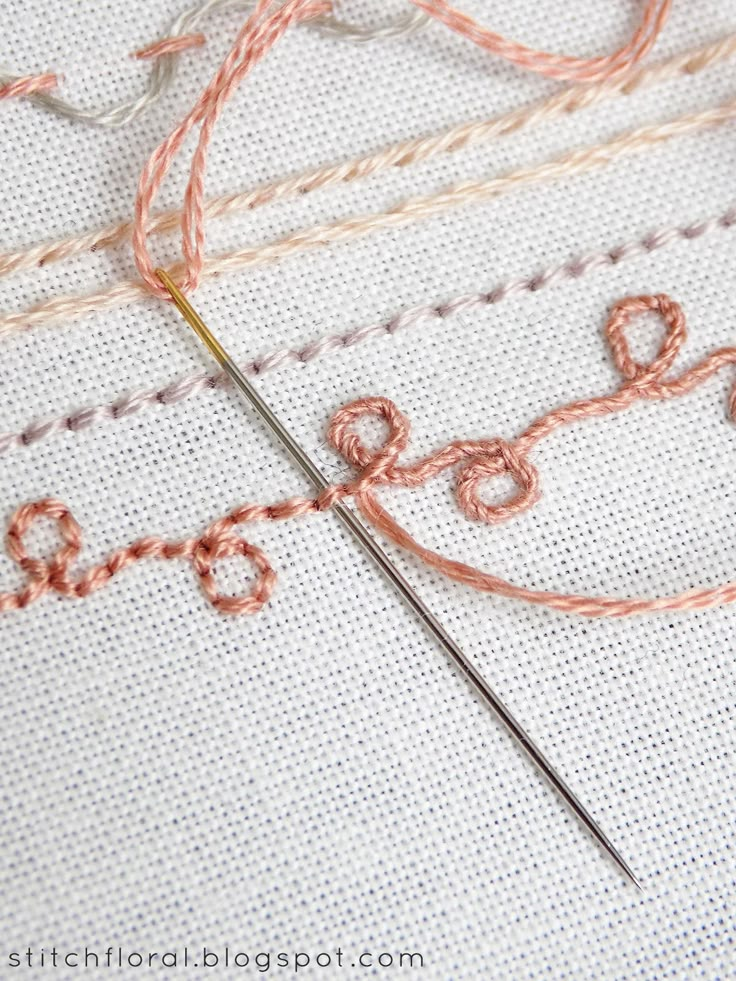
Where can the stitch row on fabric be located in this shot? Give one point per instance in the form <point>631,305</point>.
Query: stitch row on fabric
<point>194,384</point>
<point>402,154</point>
<point>478,460</point>
<point>66,308</point>
<point>267,25</point>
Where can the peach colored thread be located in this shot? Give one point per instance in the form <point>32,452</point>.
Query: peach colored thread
<point>64,308</point>
<point>194,384</point>
<point>552,65</point>
<point>266,25</point>
<point>171,45</point>
<point>28,85</point>
<point>402,154</point>
<point>259,33</point>
<point>479,460</point>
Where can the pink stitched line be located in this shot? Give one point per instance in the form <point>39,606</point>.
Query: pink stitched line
<point>196,383</point>
<point>478,460</point>
<point>267,25</point>
<point>28,85</point>
<point>552,65</point>
<point>170,45</point>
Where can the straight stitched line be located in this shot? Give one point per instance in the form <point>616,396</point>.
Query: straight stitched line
<point>403,154</point>
<point>194,384</point>
<point>62,309</point>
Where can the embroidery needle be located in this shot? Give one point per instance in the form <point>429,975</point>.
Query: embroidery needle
<point>359,531</point>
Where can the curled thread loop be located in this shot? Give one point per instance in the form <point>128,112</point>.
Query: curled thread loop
<point>54,574</point>
<point>476,462</point>
<point>675,333</point>
<point>483,468</point>
<point>212,547</point>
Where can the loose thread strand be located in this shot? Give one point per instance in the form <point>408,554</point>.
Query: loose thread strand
<point>553,65</point>
<point>181,38</point>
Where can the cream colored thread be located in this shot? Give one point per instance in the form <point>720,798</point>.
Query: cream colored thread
<point>405,153</point>
<point>61,309</point>
<point>183,388</point>
<point>342,29</point>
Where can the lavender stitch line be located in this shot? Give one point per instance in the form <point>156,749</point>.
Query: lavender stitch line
<point>183,388</point>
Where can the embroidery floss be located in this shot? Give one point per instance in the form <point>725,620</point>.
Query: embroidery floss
<point>62,308</point>
<point>266,26</point>
<point>26,85</point>
<point>478,461</point>
<point>181,38</point>
<point>553,65</point>
<point>186,386</point>
<point>402,154</point>
<point>165,53</point>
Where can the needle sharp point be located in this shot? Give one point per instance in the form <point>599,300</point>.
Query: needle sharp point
<point>395,577</point>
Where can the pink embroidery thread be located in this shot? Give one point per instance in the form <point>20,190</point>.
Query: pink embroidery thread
<point>28,85</point>
<point>260,32</point>
<point>552,65</point>
<point>567,101</point>
<point>479,460</point>
<point>170,45</point>
<point>541,62</point>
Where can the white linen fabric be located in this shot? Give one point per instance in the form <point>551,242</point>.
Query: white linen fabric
<point>317,776</point>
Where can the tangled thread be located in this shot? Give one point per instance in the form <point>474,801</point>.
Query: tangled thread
<point>478,461</point>
<point>165,54</point>
<point>182,37</point>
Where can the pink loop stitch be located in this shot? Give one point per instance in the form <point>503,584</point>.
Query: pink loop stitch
<point>476,460</point>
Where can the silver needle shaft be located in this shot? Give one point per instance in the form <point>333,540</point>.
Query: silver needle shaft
<point>394,576</point>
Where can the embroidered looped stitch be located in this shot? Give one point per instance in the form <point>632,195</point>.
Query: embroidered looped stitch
<point>476,461</point>
<point>219,545</point>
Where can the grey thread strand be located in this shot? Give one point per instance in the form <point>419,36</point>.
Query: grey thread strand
<point>403,26</point>
<point>163,69</point>
<point>182,388</point>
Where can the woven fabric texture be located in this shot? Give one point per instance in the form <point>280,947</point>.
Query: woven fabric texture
<point>317,776</point>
